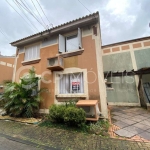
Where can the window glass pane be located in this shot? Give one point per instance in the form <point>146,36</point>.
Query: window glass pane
<point>72,43</point>
<point>71,83</point>
<point>32,52</point>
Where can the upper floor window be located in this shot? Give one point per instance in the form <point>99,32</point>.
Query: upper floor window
<point>70,43</point>
<point>32,52</point>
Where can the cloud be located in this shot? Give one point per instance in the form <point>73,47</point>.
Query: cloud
<point>120,19</point>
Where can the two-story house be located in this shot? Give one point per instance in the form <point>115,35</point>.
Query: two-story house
<point>68,58</point>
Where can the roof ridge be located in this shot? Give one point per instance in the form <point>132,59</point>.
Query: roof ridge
<point>57,26</point>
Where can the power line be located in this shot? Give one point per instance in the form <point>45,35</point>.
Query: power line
<point>18,13</point>
<point>27,9</point>
<point>4,35</point>
<point>44,13</point>
<point>85,7</point>
<point>26,15</point>
<point>38,12</point>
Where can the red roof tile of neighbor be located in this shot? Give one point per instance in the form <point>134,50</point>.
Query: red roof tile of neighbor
<point>84,17</point>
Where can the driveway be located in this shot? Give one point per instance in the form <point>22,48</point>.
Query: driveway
<point>132,121</point>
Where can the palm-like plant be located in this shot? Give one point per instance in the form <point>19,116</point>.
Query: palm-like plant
<point>22,99</point>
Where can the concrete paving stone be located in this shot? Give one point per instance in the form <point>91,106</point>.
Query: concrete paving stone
<point>148,130</point>
<point>146,115</point>
<point>137,119</point>
<point>147,119</point>
<point>116,113</point>
<point>136,112</point>
<point>129,114</point>
<point>141,126</point>
<point>128,111</point>
<point>124,133</point>
<point>136,108</point>
<point>145,135</point>
<point>117,118</point>
<point>124,116</point>
<point>121,124</point>
<point>134,129</point>
<point>141,117</point>
<point>146,122</point>
<point>127,121</point>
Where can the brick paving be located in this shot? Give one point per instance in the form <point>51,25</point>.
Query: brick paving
<point>132,123</point>
<point>67,140</point>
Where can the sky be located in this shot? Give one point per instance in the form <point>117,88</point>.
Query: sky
<point>120,20</point>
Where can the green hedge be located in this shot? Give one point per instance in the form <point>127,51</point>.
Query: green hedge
<point>68,114</point>
<point>56,113</point>
<point>74,116</point>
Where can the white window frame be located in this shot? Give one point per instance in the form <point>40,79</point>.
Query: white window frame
<point>63,38</point>
<point>31,45</point>
<point>75,36</point>
<point>71,71</point>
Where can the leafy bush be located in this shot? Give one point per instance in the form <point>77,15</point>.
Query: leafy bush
<point>22,99</point>
<point>74,116</point>
<point>68,114</point>
<point>1,100</point>
<point>100,127</point>
<point>71,103</point>
<point>56,113</point>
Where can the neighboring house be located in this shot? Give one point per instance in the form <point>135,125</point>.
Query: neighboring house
<point>6,69</point>
<point>68,58</point>
<point>128,58</point>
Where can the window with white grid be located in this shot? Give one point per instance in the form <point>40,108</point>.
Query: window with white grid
<point>32,52</point>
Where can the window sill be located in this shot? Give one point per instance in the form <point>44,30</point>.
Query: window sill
<point>34,61</point>
<point>70,95</point>
<point>109,88</point>
<point>73,53</point>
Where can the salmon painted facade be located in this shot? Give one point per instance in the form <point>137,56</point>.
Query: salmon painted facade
<point>68,58</point>
<point>74,65</point>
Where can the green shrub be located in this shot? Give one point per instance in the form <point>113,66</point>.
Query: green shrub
<point>74,116</point>
<point>100,127</point>
<point>56,113</point>
<point>71,103</point>
<point>68,114</point>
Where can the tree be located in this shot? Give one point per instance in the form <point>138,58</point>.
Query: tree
<point>22,99</point>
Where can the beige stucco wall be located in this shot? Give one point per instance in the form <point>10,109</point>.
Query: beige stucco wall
<point>88,60</point>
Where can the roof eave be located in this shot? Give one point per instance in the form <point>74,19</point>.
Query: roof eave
<point>58,30</point>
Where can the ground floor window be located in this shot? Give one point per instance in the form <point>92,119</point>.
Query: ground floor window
<point>71,83</point>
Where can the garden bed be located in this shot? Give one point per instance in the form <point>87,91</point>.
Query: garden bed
<point>22,120</point>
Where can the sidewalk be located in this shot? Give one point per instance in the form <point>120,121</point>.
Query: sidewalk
<point>68,140</point>
<point>131,122</point>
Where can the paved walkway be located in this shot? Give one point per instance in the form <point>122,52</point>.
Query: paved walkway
<point>132,121</point>
<point>67,140</point>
